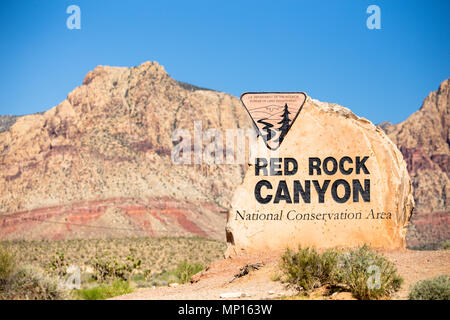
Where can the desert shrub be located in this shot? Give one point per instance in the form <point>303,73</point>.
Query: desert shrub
<point>29,283</point>
<point>446,245</point>
<point>58,264</point>
<point>329,263</point>
<point>368,274</point>
<point>109,269</point>
<point>7,264</point>
<point>365,273</point>
<point>147,274</point>
<point>306,269</point>
<point>186,270</point>
<point>104,291</point>
<point>437,288</point>
<point>181,274</point>
<point>164,278</point>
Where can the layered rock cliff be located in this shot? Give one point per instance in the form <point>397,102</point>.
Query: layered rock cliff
<point>424,140</point>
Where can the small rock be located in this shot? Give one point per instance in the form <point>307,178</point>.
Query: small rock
<point>173,285</point>
<point>271,292</point>
<point>229,295</point>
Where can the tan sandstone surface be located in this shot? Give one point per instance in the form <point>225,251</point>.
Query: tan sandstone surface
<point>326,130</point>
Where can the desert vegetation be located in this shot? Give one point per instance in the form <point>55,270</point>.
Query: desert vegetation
<point>361,271</point>
<point>104,291</point>
<point>25,282</point>
<point>106,267</point>
<point>437,288</point>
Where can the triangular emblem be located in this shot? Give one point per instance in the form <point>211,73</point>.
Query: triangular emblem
<point>273,113</point>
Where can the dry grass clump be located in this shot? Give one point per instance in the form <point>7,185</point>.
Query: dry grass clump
<point>437,288</point>
<point>26,282</point>
<point>362,271</point>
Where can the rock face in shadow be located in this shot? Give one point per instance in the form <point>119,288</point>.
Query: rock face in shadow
<point>356,205</point>
<point>424,140</point>
<point>99,164</point>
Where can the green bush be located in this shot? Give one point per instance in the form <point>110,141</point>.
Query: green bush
<point>365,273</point>
<point>368,274</point>
<point>7,264</point>
<point>105,291</point>
<point>58,264</point>
<point>186,270</point>
<point>306,269</point>
<point>437,288</point>
<point>329,263</point>
<point>445,245</point>
<point>182,274</point>
<point>164,278</point>
<point>109,269</point>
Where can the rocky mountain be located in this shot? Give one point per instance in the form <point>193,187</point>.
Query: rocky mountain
<point>99,164</point>
<point>424,140</point>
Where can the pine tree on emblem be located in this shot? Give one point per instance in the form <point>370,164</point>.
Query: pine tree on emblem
<point>284,124</point>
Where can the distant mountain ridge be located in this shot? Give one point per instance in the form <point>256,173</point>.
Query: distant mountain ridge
<point>99,164</point>
<point>424,140</point>
<point>6,121</point>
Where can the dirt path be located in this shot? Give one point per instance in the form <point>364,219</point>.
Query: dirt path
<point>412,266</point>
<point>415,265</point>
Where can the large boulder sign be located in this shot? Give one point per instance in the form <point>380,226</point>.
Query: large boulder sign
<point>319,176</point>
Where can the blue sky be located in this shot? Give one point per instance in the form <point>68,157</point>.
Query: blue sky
<point>321,47</point>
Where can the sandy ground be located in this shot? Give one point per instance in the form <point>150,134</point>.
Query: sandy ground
<point>411,265</point>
